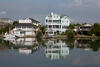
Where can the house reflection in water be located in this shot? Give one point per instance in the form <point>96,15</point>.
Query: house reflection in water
<point>26,45</point>
<point>25,51</point>
<point>56,49</point>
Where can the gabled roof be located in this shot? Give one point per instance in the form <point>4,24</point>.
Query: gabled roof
<point>61,16</point>
<point>34,21</point>
<point>87,25</point>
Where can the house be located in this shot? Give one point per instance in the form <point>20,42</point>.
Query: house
<point>25,28</point>
<point>56,49</point>
<point>56,24</point>
<point>83,30</point>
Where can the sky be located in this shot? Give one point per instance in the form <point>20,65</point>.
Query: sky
<point>78,10</point>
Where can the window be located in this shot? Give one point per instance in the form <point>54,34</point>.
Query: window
<point>46,20</point>
<point>56,20</point>
<point>64,26</point>
<point>50,32</point>
<point>50,26</point>
<point>56,26</point>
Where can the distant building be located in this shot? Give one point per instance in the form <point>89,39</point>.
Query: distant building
<point>3,25</point>
<point>6,20</point>
<point>25,28</point>
<point>56,24</point>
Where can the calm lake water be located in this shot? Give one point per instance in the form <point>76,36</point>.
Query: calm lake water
<point>29,52</point>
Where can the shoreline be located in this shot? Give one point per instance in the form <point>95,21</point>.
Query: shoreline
<point>63,37</point>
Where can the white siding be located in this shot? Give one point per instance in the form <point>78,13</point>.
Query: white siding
<point>56,20</point>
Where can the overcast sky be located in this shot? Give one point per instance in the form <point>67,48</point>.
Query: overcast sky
<point>77,10</point>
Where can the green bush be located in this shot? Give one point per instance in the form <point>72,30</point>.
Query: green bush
<point>39,34</point>
<point>70,33</point>
<point>15,22</point>
<point>95,30</point>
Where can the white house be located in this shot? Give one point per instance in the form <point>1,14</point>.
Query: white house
<point>56,24</point>
<point>25,28</point>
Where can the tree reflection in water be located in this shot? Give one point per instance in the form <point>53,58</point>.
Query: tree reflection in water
<point>95,45</point>
<point>88,44</point>
<point>5,44</point>
<point>69,42</point>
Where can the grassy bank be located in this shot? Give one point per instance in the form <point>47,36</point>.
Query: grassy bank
<point>76,36</point>
<point>87,37</point>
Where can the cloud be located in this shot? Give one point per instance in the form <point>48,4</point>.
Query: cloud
<point>3,13</point>
<point>78,10</point>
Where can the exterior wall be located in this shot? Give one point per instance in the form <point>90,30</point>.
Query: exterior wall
<point>29,33</point>
<point>55,23</point>
<point>24,32</point>
<point>18,33</point>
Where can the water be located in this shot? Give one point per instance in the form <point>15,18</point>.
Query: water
<point>29,52</point>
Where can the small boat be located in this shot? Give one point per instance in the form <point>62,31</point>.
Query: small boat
<point>9,37</point>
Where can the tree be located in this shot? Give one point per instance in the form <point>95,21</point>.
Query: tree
<point>15,22</point>
<point>95,30</point>
<point>72,26</point>
<point>43,28</point>
<point>39,34</point>
<point>70,33</point>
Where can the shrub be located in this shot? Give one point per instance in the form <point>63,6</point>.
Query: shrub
<point>39,34</point>
<point>70,33</point>
<point>95,30</point>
